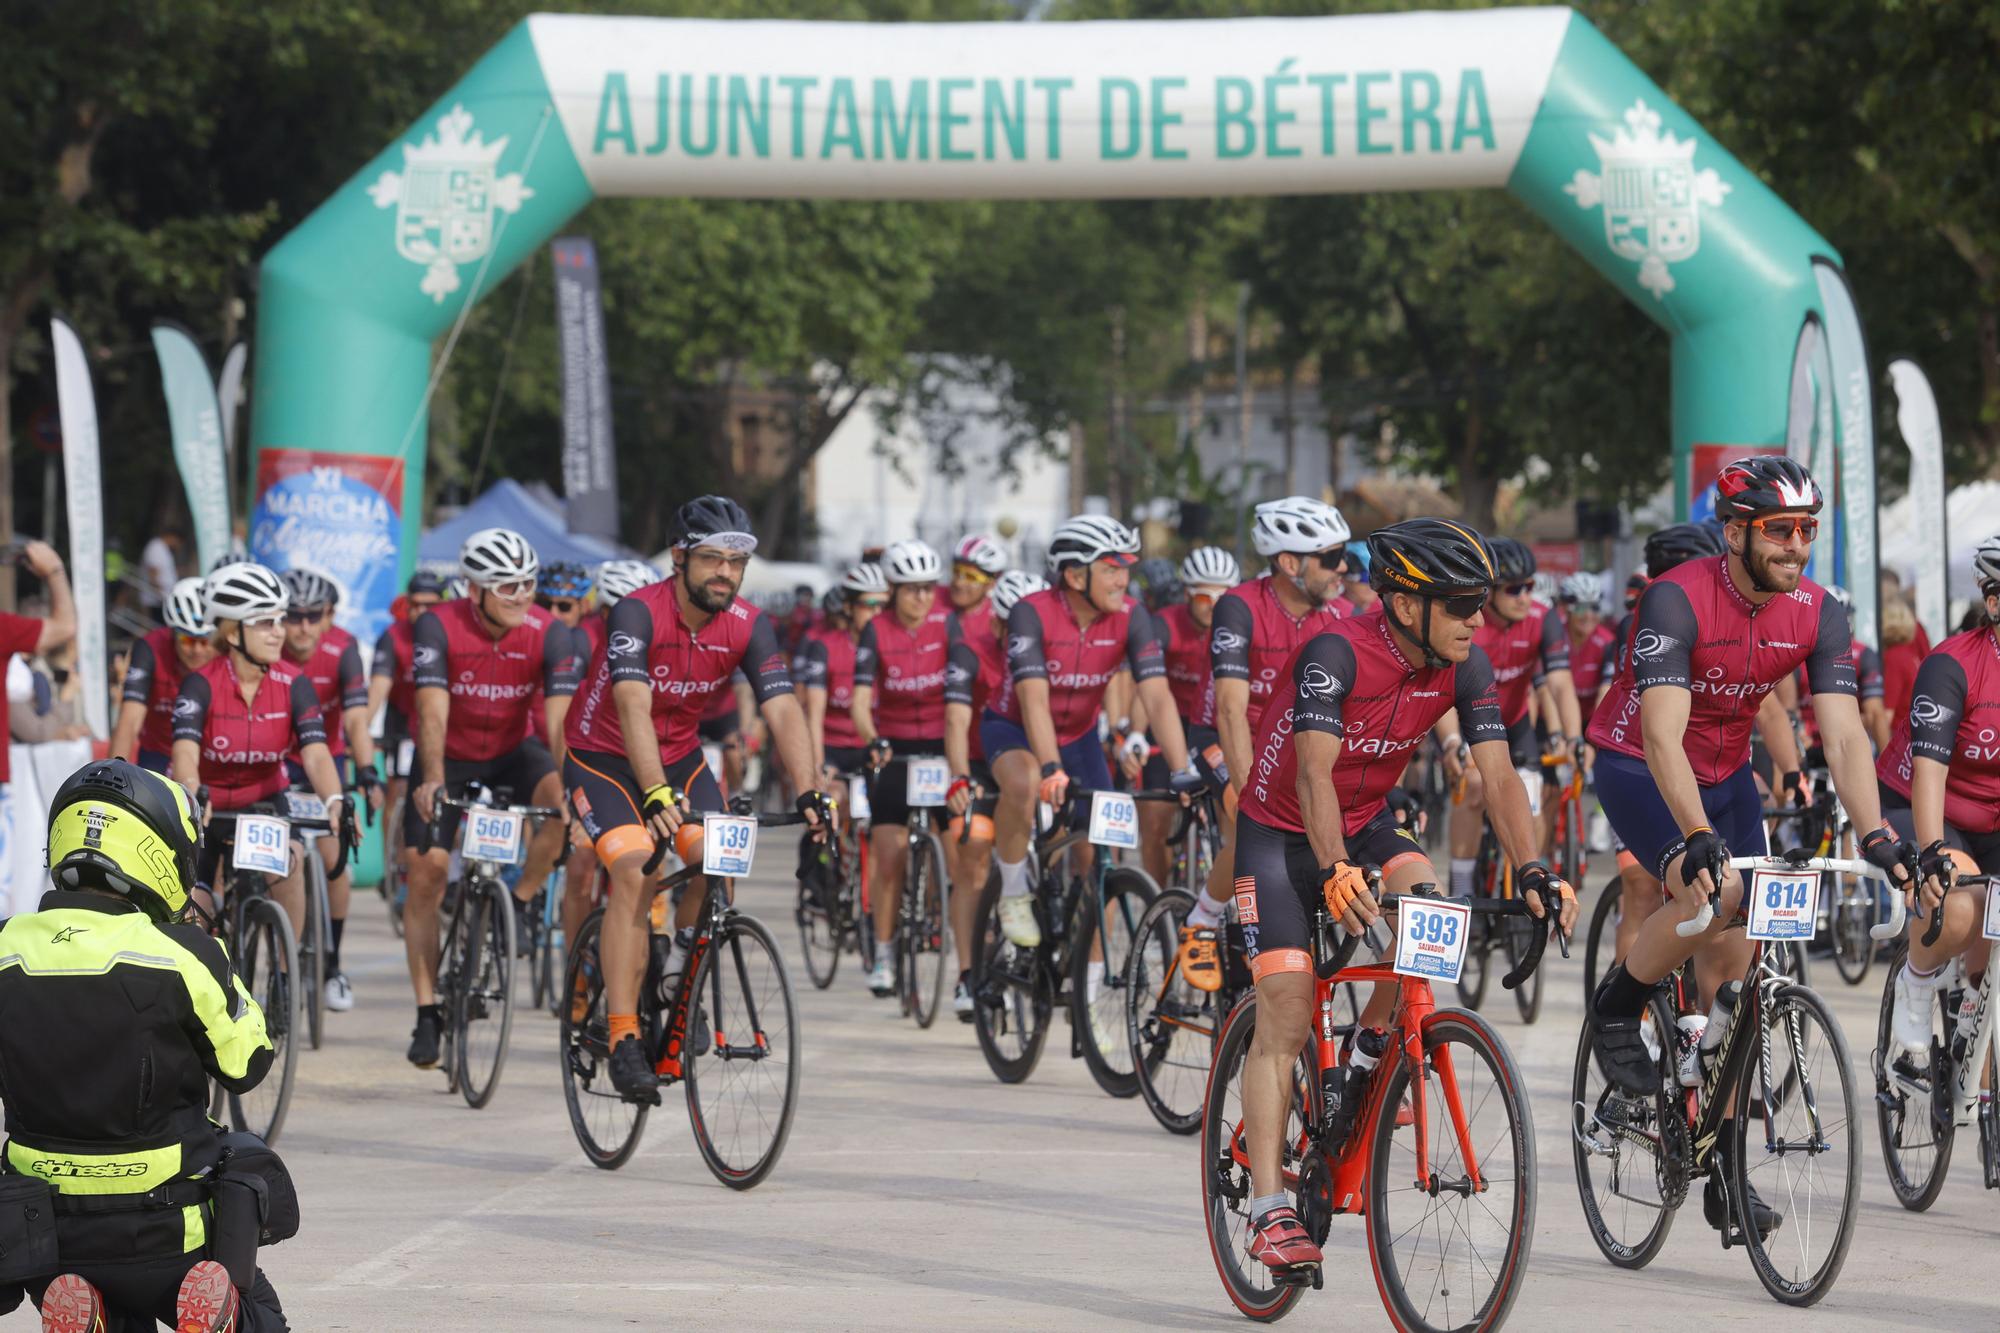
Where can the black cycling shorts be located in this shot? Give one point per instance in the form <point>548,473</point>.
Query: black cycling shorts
<point>720,730</point>
<point>1199,738</point>
<point>1525,748</point>
<point>514,776</point>
<point>887,790</point>
<point>1983,848</point>
<point>606,799</point>
<point>847,759</point>
<point>395,734</point>
<point>1278,885</point>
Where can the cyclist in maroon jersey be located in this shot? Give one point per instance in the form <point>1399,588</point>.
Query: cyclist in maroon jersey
<point>1867,681</point>
<point>976,561</point>
<point>824,671</point>
<point>1353,703</point>
<point>1940,780</point>
<point>1712,638</point>
<point>898,712</point>
<point>392,684</point>
<point>153,678</point>
<point>1590,640</point>
<point>634,767</point>
<point>479,661</point>
<point>238,717</point>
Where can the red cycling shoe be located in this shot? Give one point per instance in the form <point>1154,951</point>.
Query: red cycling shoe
<point>1280,1242</point>
<point>207,1302</point>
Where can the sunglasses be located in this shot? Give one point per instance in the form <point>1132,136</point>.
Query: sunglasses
<point>189,640</point>
<point>418,607</point>
<point>511,591</point>
<point>564,604</point>
<point>871,603</point>
<point>1334,561</point>
<point>266,625</point>
<point>1465,605</point>
<point>737,560</point>
<point>1517,589</point>
<point>1782,530</point>
<point>304,617</point>
<point>971,574</point>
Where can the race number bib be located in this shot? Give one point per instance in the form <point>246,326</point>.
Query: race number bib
<point>929,780</point>
<point>729,845</point>
<point>306,805</point>
<point>857,798</point>
<point>493,835</point>
<point>263,845</point>
<point>406,757</point>
<point>1114,819</point>
<point>1992,912</point>
<point>1783,904</point>
<point>1431,940</point>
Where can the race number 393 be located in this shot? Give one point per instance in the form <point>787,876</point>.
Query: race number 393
<point>1430,941</point>
<point>261,845</point>
<point>728,845</point>
<point>1783,904</point>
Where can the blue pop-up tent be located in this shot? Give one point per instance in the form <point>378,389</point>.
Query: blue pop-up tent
<point>509,504</point>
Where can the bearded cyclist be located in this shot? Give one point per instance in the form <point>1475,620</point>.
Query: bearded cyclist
<point>635,768</point>
<point>1351,705</point>
<point>1711,637</point>
<point>153,678</point>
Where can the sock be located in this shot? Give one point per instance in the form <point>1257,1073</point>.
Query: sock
<point>1461,876</point>
<point>333,954</point>
<point>623,1026</point>
<point>1620,995</point>
<point>1014,879</point>
<point>1093,979</point>
<point>677,952</point>
<point>1265,1204</point>
<point>884,951</point>
<point>1207,911</point>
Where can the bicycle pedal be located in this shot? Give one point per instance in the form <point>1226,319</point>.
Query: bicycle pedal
<point>1299,1275</point>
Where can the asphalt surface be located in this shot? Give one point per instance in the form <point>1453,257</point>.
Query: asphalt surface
<point>916,1191</point>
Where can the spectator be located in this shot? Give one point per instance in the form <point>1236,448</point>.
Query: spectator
<point>1904,647</point>
<point>57,710</point>
<point>159,567</point>
<point>26,634</point>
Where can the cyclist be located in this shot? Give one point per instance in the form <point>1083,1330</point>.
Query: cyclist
<point>634,757</point>
<point>153,678</point>
<point>976,561</point>
<point>563,590</point>
<point>1064,645</point>
<point>392,684</point>
<point>1590,641</point>
<point>1524,642</point>
<point>1184,627</point>
<point>823,670</point>
<point>1354,583</point>
<point>1349,708</point>
<point>1673,750</point>
<point>119,1012</point>
<point>1867,680</point>
<point>480,660</point>
<point>976,671</point>
<point>239,718</point>
<point>1940,778</point>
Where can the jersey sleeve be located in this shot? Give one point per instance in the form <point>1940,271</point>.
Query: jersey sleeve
<point>1663,636</point>
<point>191,708</point>
<point>1830,668</point>
<point>765,665</point>
<point>353,679</point>
<point>1554,654</point>
<point>384,662</point>
<point>1937,706</point>
<point>1229,638</point>
<point>1322,674</point>
<point>562,672</point>
<point>1868,673</point>
<point>1142,645</point>
<point>226,1027</point>
<point>430,653</point>
<point>810,666</point>
<point>139,669</point>
<point>866,655</point>
<point>631,633</point>
<point>308,723</point>
<point>961,671</point>
<point>1477,698</point>
<point>1025,659</point>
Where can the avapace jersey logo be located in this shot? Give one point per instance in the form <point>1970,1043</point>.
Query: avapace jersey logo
<point>1652,645</point>
<point>1227,641</point>
<point>1927,711</point>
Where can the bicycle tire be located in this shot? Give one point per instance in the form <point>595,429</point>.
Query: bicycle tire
<point>925,937</point>
<point>1472,971</point>
<point>485,994</point>
<point>1171,1025</point>
<point>1226,1190</point>
<point>1896,1110</point>
<point>1798,1008</point>
<point>607,1126</point>
<point>1013,995</point>
<point>819,938</point>
<point>725,973</point>
<point>1518,936</point>
<point>1388,1183</point>
<point>265,932</point>
<point>392,865</point>
<point>1601,945</point>
<point>312,945</point>
<point>1852,947</point>
<point>1128,891</point>
<point>451,962</point>
<point>1590,1092</point>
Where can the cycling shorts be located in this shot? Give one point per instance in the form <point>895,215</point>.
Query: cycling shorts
<point>1983,848</point>
<point>1639,814</point>
<point>1278,885</point>
<point>514,776</point>
<point>399,743</point>
<point>1199,738</point>
<point>720,730</point>
<point>1525,748</point>
<point>888,791</point>
<point>846,758</point>
<point>157,761</point>
<point>606,797</point>
<point>1083,758</point>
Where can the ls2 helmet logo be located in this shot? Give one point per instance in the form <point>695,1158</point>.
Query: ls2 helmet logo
<point>445,198</point>
<point>1651,194</point>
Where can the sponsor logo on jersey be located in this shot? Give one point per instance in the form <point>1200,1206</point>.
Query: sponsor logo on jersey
<point>624,644</point>
<point>1780,643</point>
<point>424,655</point>
<point>1227,641</point>
<point>1018,645</point>
<point>1651,644</point>
<point>1316,682</point>
<point>55,1170</point>
<point>1926,711</point>
<point>186,707</point>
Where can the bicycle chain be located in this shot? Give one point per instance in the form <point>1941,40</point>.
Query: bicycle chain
<point>1671,1168</point>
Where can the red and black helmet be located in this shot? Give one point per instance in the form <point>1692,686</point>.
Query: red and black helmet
<point>1764,482</point>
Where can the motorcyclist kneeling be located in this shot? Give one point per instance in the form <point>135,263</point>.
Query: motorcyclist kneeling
<point>121,1203</point>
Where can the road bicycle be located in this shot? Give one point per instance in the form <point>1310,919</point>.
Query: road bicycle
<point>1921,1106</point>
<point>315,933</point>
<point>1440,1157</point>
<point>833,908</point>
<point>1776,1080</point>
<point>1510,934</point>
<point>1569,851</point>
<point>922,942</point>
<point>1846,902</point>
<point>726,1027</point>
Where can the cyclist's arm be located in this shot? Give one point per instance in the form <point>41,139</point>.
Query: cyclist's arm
<point>809,672</point>
<point>382,669</point>
<point>1850,755</point>
<point>1029,669</point>
<point>354,714</point>
<point>136,695</point>
<point>378,695</point>
<point>1121,702</point>
<point>1229,638</point>
<point>309,730</point>
<point>1232,729</point>
<point>1319,800</point>
<point>1664,632</point>
<point>1322,673</point>
<point>862,708</point>
<point>1874,710</point>
<point>223,1022</point>
<point>1933,740</point>
<point>431,657</point>
<point>190,724</point>
<point>769,673</point>
<point>1476,701</point>
<point>1149,682</point>
<point>562,672</point>
<point>1032,695</point>
<point>1557,679</point>
<point>1774,728</point>
<point>125,735</point>
<point>961,674</point>
<point>957,738</point>
<point>815,706</point>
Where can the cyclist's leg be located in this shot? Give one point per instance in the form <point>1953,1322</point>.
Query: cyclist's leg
<point>426,861</point>
<point>1964,909</point>
<point>1468,823</point>
<point>605,798</point>
<point>888,846</point>
<point>1274,903</point>
<point>1018,778</point>
<point>1222,875</point>
<point>698,785</point>
<point>529,771</point>
<point>1156,820</point>
<point>1083,759</point>
<point>1385,843</point>
<point>969,860</point>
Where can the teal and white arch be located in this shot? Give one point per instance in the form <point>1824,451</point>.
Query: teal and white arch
<point>1766,345</point>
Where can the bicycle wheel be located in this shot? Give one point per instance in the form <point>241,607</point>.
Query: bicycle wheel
<point>1804,1155</point>
<point>1479,943</point>
<point>268,962</point>
<point>1225,1171</point>
<point>1853,914</point>
<point>1630,1152</point>
<point>313,940</point>
<point>1170,1024</point>
<point>607,1126</point>
<point>1450,1255</point>
<point>1916,1141</point>
<point>484,1012</point>
<point>743,1084</point>
<point>1014,995</point>
<point>925,942</point>
<point>392,865</point>
<point>1518,934</point>
<point>1601,944</point>
<point>1569,851</point>
<point>1099,1017</point>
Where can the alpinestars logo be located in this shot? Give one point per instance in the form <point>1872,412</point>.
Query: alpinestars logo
<point>88,1170</point>
<point>1651,194</point>
<point>445,200</point>
<point>1926,711</point>
<point>1316,682</point>
<point>68,933</point>
<point>1652,645</point>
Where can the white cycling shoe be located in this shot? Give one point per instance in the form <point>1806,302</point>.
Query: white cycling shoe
<point>339,994</point>
<point>882,977</point>
<point>1017,920</point>
<point>1915,997</point>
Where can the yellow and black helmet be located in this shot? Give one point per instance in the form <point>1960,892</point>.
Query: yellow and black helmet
<point>120,827</point>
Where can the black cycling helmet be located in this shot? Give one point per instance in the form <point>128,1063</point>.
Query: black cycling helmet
<point>1762,482</point>
<point>309,590</point>
<point>834,601</point>
<point>1513,562</point>
<point>427,583</point>
<point>1160,581</point>
<point>116,826</point>
<point>1429,557</point>
<point>1680,543</point>
<point>714,517</point>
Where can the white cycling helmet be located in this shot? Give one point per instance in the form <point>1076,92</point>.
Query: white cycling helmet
<point>1090,537</point>
<point>1210,567</point>
<point>1583,589</point>
<point>864,578</point>
<point>622,578</point>
<point>912,562</point>
<point>498,555</point>
<point>1846,598</point>
<point>1011,587</point>
<point>981,552</point>
<point>187,611</point>
<point>244,591</point>
<point>1547,588</point>
<point>1297,523</point>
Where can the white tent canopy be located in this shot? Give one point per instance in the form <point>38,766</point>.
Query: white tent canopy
<point>1973,513</point>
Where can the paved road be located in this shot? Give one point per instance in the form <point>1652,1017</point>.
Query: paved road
<point>917,1191</point>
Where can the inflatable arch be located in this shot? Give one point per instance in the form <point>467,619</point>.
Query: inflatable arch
<point>1766,345</point>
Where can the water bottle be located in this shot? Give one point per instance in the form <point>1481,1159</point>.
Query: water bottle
<point>1718,1020</point>
<point>1689,1029</point>
<point>1343,1105</point>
